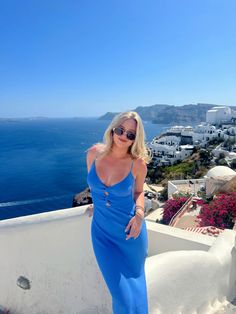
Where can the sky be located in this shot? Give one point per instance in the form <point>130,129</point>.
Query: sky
<point>87,57</point>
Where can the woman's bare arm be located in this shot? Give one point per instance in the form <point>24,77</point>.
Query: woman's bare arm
<point>141,169</point>
<point>91,153</point>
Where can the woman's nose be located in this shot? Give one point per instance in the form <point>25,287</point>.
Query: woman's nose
<point>123,135</point>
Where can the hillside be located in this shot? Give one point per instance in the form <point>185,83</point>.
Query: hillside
<point>168,114</point>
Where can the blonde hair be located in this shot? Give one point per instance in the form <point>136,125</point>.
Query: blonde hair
<point>138,149</point>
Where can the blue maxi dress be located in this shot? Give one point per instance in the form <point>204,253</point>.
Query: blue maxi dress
<point>121,261</point>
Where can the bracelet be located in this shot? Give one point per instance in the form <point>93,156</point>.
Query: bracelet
<point>139,206</point>
<point>138,210</point>
<point>138,214</point>
<point>141,218</point>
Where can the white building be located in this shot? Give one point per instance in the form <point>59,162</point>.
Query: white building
<point>205,132</point>
<point>216,177</point>
<point>187,131</point>
<point>179,129</point>
<point>230,133</point>
<point>219,115</point>
<point>170,140</point>
<point>169,154</point>
<point>220,150</point>
<point>168,148</point>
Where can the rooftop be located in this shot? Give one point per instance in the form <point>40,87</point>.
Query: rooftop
<point>220,171</point>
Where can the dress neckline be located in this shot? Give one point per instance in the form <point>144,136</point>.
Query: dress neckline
<point>110,186</point>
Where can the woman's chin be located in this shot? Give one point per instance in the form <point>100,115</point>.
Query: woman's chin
<point>121,144</point>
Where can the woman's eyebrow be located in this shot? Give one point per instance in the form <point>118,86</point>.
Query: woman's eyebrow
<point>128,129</point>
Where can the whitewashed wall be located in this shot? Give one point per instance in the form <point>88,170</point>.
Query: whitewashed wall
<point>53,251</point>
<point>172,188</point>
<point>195,281</point>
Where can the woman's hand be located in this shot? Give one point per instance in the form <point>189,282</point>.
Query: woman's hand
<point>134,225</point>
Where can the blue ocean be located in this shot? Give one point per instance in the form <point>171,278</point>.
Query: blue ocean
<point>43,161</point>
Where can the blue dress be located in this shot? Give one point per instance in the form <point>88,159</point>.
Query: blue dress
<point>121,261</point>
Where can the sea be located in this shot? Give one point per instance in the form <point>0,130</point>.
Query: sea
<point>43,161</point>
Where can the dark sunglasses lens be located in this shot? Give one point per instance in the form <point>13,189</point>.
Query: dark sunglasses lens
<point>118,131</point>
<point>131,136</point>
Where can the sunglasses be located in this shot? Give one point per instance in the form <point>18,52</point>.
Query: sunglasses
<point>119,131</point>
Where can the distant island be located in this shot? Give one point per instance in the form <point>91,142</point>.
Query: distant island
<point>21,118</point>
<point>169,114</point>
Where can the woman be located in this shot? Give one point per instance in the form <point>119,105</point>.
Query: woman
<point>116,174</point>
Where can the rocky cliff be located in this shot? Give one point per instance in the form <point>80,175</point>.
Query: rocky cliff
<point>168,114</point>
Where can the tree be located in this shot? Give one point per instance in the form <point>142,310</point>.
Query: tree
<point>233,164</point>
<point>205,157</point>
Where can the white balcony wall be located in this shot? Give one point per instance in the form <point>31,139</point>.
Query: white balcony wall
<point>53,251</point>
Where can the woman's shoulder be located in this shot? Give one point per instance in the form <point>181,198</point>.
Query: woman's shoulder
<point>140,164</point>
<point>95,149</point>
<point>139,161</point>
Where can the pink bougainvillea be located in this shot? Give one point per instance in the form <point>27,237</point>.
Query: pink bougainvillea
<point>220,212</point>
<point>171,207</point>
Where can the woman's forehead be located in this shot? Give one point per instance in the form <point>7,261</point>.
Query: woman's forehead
<point>130,124</point>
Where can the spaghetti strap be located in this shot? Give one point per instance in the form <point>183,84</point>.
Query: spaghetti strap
<point>132,165</point>
<point>94,160</point>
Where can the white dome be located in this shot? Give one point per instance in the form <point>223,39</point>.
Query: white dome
<point>220,171</point>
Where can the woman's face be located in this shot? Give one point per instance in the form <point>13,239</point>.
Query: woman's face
<point>121,140</point>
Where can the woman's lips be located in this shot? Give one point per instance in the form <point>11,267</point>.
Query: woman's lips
<point>122,140</point>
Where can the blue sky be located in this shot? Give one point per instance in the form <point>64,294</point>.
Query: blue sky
<point>87,57</point>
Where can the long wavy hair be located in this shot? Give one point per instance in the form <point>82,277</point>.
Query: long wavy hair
<point>138,149</point>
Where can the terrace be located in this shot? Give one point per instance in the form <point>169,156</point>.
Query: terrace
<point>47,266</point>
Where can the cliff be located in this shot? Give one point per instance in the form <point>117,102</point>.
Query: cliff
<point>169,114</point>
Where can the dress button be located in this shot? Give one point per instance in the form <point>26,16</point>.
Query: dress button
<point>108,204</point>
<point>106,193</point>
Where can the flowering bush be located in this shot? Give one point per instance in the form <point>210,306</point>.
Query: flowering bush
<point>172,206</point>
<point>220,212</point>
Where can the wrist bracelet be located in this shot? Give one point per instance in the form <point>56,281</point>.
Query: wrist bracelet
<point>138,214</point>
<point>141,218</point>
<point>140,211</point>
<point>139,206</point>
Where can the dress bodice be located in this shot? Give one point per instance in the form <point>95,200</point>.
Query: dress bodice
<point>108,200</point>
<point>122,188</point>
